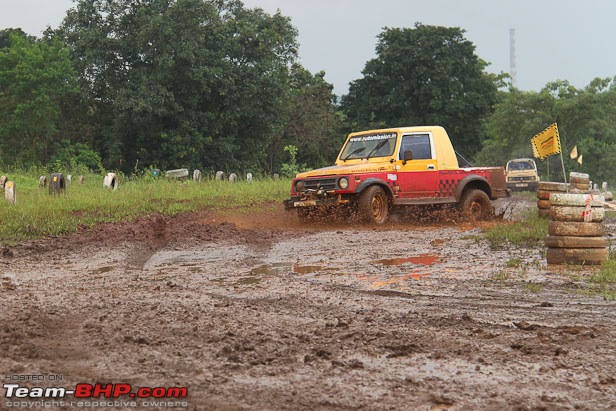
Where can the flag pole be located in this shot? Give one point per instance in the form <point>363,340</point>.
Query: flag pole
<point>564,172</point>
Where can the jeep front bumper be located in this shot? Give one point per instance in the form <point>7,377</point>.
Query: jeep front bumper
<point>315,201</point>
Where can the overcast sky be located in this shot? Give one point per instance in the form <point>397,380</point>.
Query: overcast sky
<point>554,39</point>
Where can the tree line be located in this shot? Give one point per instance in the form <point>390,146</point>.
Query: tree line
<point>127,85</point>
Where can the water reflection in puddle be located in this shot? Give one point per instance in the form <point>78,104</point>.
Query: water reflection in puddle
<point>248,281</point>
<point>306,269</point>
<point>423,259</point>
<point>102,270</point>
<point>275,269</point>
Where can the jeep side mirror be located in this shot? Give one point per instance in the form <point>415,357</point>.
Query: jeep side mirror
<point>407,156</point>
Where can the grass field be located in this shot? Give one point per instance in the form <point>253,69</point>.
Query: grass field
<point>529,231</point>
<point>38,214</point>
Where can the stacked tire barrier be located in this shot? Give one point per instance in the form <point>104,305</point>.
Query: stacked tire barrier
<point>544,190</point>
<point>575,231</point>
<point>579,181</point>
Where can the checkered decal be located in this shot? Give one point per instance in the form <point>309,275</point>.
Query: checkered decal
<point>446,188</point>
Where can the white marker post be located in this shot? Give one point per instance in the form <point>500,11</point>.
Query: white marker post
<point>9,193</point>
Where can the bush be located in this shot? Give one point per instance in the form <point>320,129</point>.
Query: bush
<point>77,157</point>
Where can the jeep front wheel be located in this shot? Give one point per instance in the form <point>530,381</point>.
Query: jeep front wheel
<point>373,205</point>
<point>475,205</point>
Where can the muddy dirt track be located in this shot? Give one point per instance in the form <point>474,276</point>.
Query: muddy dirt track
<point>256,312</point>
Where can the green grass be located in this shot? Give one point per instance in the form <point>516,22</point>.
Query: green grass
<point>529,232</point>
<point>604,280</point>
<point>38,214</point>
<point>533,287</point>
<point>514,263</point>
<point>501,276</point>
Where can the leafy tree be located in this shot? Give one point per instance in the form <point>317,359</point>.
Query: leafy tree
<point>518,116</point>
<point>5,37</point>
<point>586,118</point>
<point>314,125</point>
<point>182,82</point>
<point>424,75</point>
<point>74,157</point>
<point>36,77</point>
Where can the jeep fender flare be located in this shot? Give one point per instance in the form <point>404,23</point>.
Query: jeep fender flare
<point>474,181</point>
<point>372,181</point>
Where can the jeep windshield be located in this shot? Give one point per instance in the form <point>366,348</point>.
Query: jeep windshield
<point>369,145</point>
<point>521,165</point>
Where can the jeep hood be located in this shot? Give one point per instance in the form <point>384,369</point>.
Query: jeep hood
<point>347,169</point>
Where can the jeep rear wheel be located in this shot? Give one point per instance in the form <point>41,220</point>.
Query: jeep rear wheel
<point>373,205</point>
<point>475,205</point>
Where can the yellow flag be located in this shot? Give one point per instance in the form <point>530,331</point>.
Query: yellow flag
<point>580,159</point>
<point>573,153</point>
<point>547,142</point>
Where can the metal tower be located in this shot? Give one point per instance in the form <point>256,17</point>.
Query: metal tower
<point>512,67</point>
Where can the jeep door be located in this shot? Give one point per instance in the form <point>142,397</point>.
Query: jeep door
<point>418,176</point>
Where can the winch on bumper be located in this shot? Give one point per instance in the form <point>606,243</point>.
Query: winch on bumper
<point>315,199</point>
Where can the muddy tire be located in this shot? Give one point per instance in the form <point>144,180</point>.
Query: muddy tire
<point>543,204</point>
<point>552,186</point>
<point>576,214</point>
<point>587,256</point>
<point>476,205</point>
<point>543,195</point>
<point>578,229</point>
<point>373,205</point>
<point>579,178</point>
<point>560,241</point>
<point>581,187</point>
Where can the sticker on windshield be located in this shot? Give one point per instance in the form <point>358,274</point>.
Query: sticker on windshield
<point>373,137</point>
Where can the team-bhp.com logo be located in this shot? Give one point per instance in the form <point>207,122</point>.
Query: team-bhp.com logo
<point>83,395</point>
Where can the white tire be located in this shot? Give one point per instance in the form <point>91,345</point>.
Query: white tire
<point>566,213</point>
<point>576,200</point>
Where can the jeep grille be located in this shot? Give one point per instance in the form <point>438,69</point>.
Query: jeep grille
<point>326,183</point>
<point>531,178</point>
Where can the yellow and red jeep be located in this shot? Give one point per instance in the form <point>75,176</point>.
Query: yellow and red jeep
<point>396,167</point>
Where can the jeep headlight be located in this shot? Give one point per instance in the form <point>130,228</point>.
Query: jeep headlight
<point>299,186</point>
<point>343,183</point>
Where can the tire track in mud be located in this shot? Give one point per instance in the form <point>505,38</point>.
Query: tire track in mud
<point>141,252</point>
